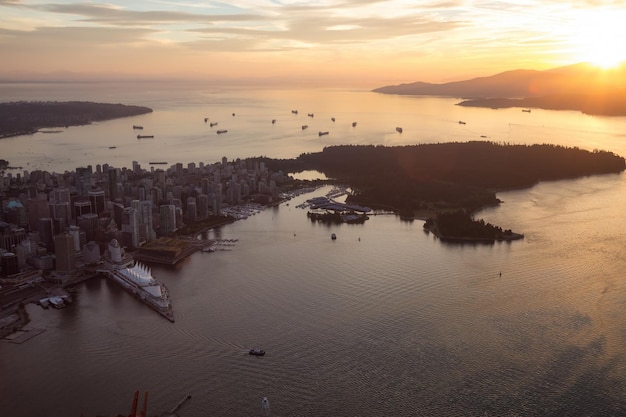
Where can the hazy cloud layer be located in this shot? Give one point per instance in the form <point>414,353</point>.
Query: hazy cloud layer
<point>364,37</point>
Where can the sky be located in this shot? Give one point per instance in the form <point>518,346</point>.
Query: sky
<point>334,42</point>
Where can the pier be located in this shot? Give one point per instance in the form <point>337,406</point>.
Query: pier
<point>139,282</point>
<point>180,404</point>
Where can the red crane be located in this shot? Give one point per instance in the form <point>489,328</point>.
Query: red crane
<point>133,410</point>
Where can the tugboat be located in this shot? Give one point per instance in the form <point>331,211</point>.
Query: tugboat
<point>256,352</point>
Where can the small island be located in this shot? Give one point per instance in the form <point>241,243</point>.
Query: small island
<point>459,226</point>
<point>25,118</point>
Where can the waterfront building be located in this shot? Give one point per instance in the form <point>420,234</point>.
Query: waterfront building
<point>83,180</point>
<point>46,232</point>
<point>156,195</point>
<point>130,225</point>
<point>192,213</point>
<point>91,253</point>
<point>97,201</point>
<point>11,235</point>
<point>89,223</point>
<point>80,237</point>
<point>42,261</point>
<point>205,185</point>
<point>141,192</point>
<point>144,218</point>
<point>159,176</point>
<point>16,213</point>
<point>115,252</point>
<point>167,218</point>
<point>203,206</point>
<point>25,250</point>
<point>61,195</point>
<point>113,194</point>
<point>81,208</point>
<point>9,264</point>
<point>65,253</point>
<point>37,208</point>
<point>60,210</point>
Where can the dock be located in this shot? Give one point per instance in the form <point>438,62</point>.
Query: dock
<point>180,404</point>
<point>161,304</point>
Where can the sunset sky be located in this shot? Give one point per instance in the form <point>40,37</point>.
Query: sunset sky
<point>337,42</point>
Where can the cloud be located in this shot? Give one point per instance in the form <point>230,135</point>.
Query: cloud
<point>386,34</point>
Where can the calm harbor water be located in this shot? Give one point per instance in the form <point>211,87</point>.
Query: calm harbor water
<point>384,321</point>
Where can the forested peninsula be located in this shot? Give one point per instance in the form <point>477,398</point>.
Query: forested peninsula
<point>24,117</point>
<point>447,177</point>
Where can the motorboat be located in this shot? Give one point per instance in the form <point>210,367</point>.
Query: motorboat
<point>222,131</point>
<point>320,133</point>
<point>353,124</point>
<point>333,236</point>
<point>399,129</point>
<point>256,352</point>
<point>304,127</point>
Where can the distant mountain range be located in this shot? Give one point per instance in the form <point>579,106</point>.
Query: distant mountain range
<point>580,87</point>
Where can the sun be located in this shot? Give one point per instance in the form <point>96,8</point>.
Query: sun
<point>599,36</point>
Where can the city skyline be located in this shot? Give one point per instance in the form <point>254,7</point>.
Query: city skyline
<point>330,42</point>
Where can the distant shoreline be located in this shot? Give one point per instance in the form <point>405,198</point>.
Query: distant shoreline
<point>27,118</point>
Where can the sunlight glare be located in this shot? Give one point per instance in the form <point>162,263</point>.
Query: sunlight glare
<point>599,38</point>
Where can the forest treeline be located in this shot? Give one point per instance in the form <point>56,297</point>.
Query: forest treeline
<point>26,117</point>
<point>447,175</point>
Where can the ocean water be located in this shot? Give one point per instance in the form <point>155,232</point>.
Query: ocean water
<point>384,321</point>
